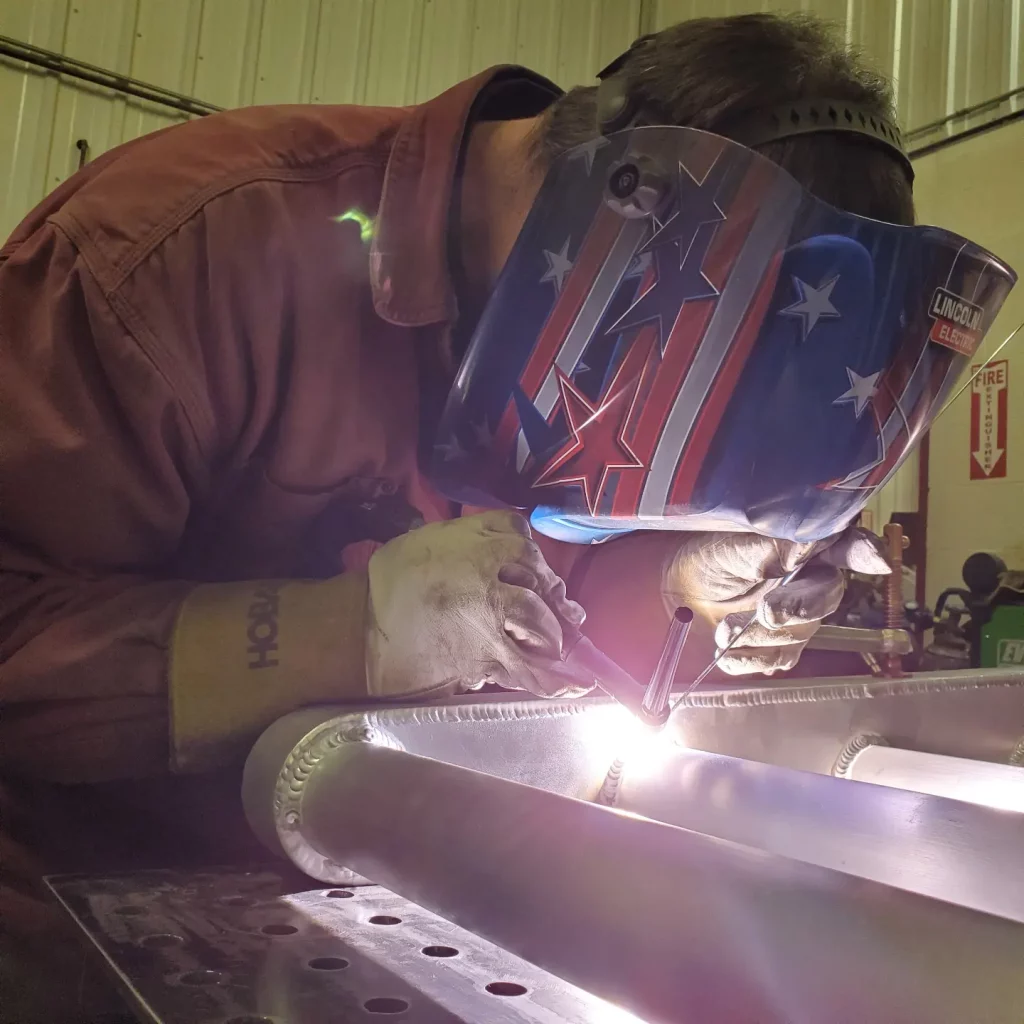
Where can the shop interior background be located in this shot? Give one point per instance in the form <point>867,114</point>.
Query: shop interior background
<point>958,67</point>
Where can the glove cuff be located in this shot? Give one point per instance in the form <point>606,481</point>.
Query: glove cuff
<point>243,654</point>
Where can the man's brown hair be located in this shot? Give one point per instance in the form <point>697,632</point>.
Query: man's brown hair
<point>709,72</point>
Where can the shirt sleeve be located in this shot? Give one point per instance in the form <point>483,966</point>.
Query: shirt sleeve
<point>97,462</point>
<point>108,667</point>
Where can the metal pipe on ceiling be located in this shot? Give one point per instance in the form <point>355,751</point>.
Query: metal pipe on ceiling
<point>59,64</point>
<point>667,923</point>
<point>929,128</point>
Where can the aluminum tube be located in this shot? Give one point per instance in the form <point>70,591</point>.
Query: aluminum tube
<point>672,925</point>
<point>945,849</point>
<point>861,641</point>
<point>959,778</point>
<point>805,724</point>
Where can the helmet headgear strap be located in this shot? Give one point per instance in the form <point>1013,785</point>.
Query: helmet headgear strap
<point>617,110</point>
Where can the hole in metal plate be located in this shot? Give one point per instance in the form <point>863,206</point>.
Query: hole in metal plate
<point>506,988</point>
<point>163,940</point>
<point>340,894</point>
<point>238,901</point>
<point>130,911</point>
<point>198,978</point>
<point>328,963</point>
<point>439,951</point>
<point>385,919</point>
<point>279,929</point>
<point>385,1004</point>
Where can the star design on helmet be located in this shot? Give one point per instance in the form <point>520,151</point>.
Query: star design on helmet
<point>596,444</point>
<point>588,151</point>
<point>639,265</point>
<point>675,283</point>
<point>559,265</point>
<point>482,433</point>
<point>697,205</point>
<point>678,248</point>
<point>813,304</point>
<point>861,391</point>
<point>451,449</point>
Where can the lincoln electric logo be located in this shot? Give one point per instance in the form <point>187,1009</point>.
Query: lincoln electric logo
<point>958,323</point>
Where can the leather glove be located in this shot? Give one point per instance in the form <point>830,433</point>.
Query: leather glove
<point>726,576</point>
<point>444,608</point>
<point>457,604</point>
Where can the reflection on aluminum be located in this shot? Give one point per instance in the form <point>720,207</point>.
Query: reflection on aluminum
<point>424,929</point>
<point>1000,786</point>
<point>302,957</point>
<point>790,893</point>
<point>942,848</point>
<point>609,1013</point>
<point>806,724</point>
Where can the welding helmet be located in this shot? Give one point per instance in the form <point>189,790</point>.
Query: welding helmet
<point>683,337</point>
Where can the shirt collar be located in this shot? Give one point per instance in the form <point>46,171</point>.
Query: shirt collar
<point>409,270</point>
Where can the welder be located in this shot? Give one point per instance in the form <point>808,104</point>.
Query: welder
<point>319,404</point>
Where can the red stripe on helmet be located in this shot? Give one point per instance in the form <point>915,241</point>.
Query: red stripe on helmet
<point>916,420</point>
<point>577,287</point>
<point>688,332</point>
<point>710,416</point>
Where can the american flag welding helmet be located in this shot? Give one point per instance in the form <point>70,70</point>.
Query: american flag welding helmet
<point>685,338</point>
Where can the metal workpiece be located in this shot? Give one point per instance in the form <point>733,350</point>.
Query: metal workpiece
<point>975,714</point>
<point>565,746</point>
<point>232,946</point>
<point>981,782</point>
<point>718,887</point>
<point>568,746</point>
<point>861,641</point>
<point>937,845</point>
<point>668,923</point>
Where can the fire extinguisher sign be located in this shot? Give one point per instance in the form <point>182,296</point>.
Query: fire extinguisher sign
<point>988,420</point>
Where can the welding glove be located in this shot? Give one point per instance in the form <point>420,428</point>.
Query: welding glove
<point>457,604</point>
<point>726,576</point>
<point>444,608</point>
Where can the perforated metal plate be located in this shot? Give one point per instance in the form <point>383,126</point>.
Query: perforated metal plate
<point>243,947</point>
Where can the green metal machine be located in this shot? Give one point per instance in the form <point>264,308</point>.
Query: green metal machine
<point>1002,638</point>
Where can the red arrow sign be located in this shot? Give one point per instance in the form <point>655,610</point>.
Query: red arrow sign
<point>988,421</point>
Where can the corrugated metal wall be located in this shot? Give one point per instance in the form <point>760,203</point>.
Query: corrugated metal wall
<point>945,54</point>
<point>240,52</point>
